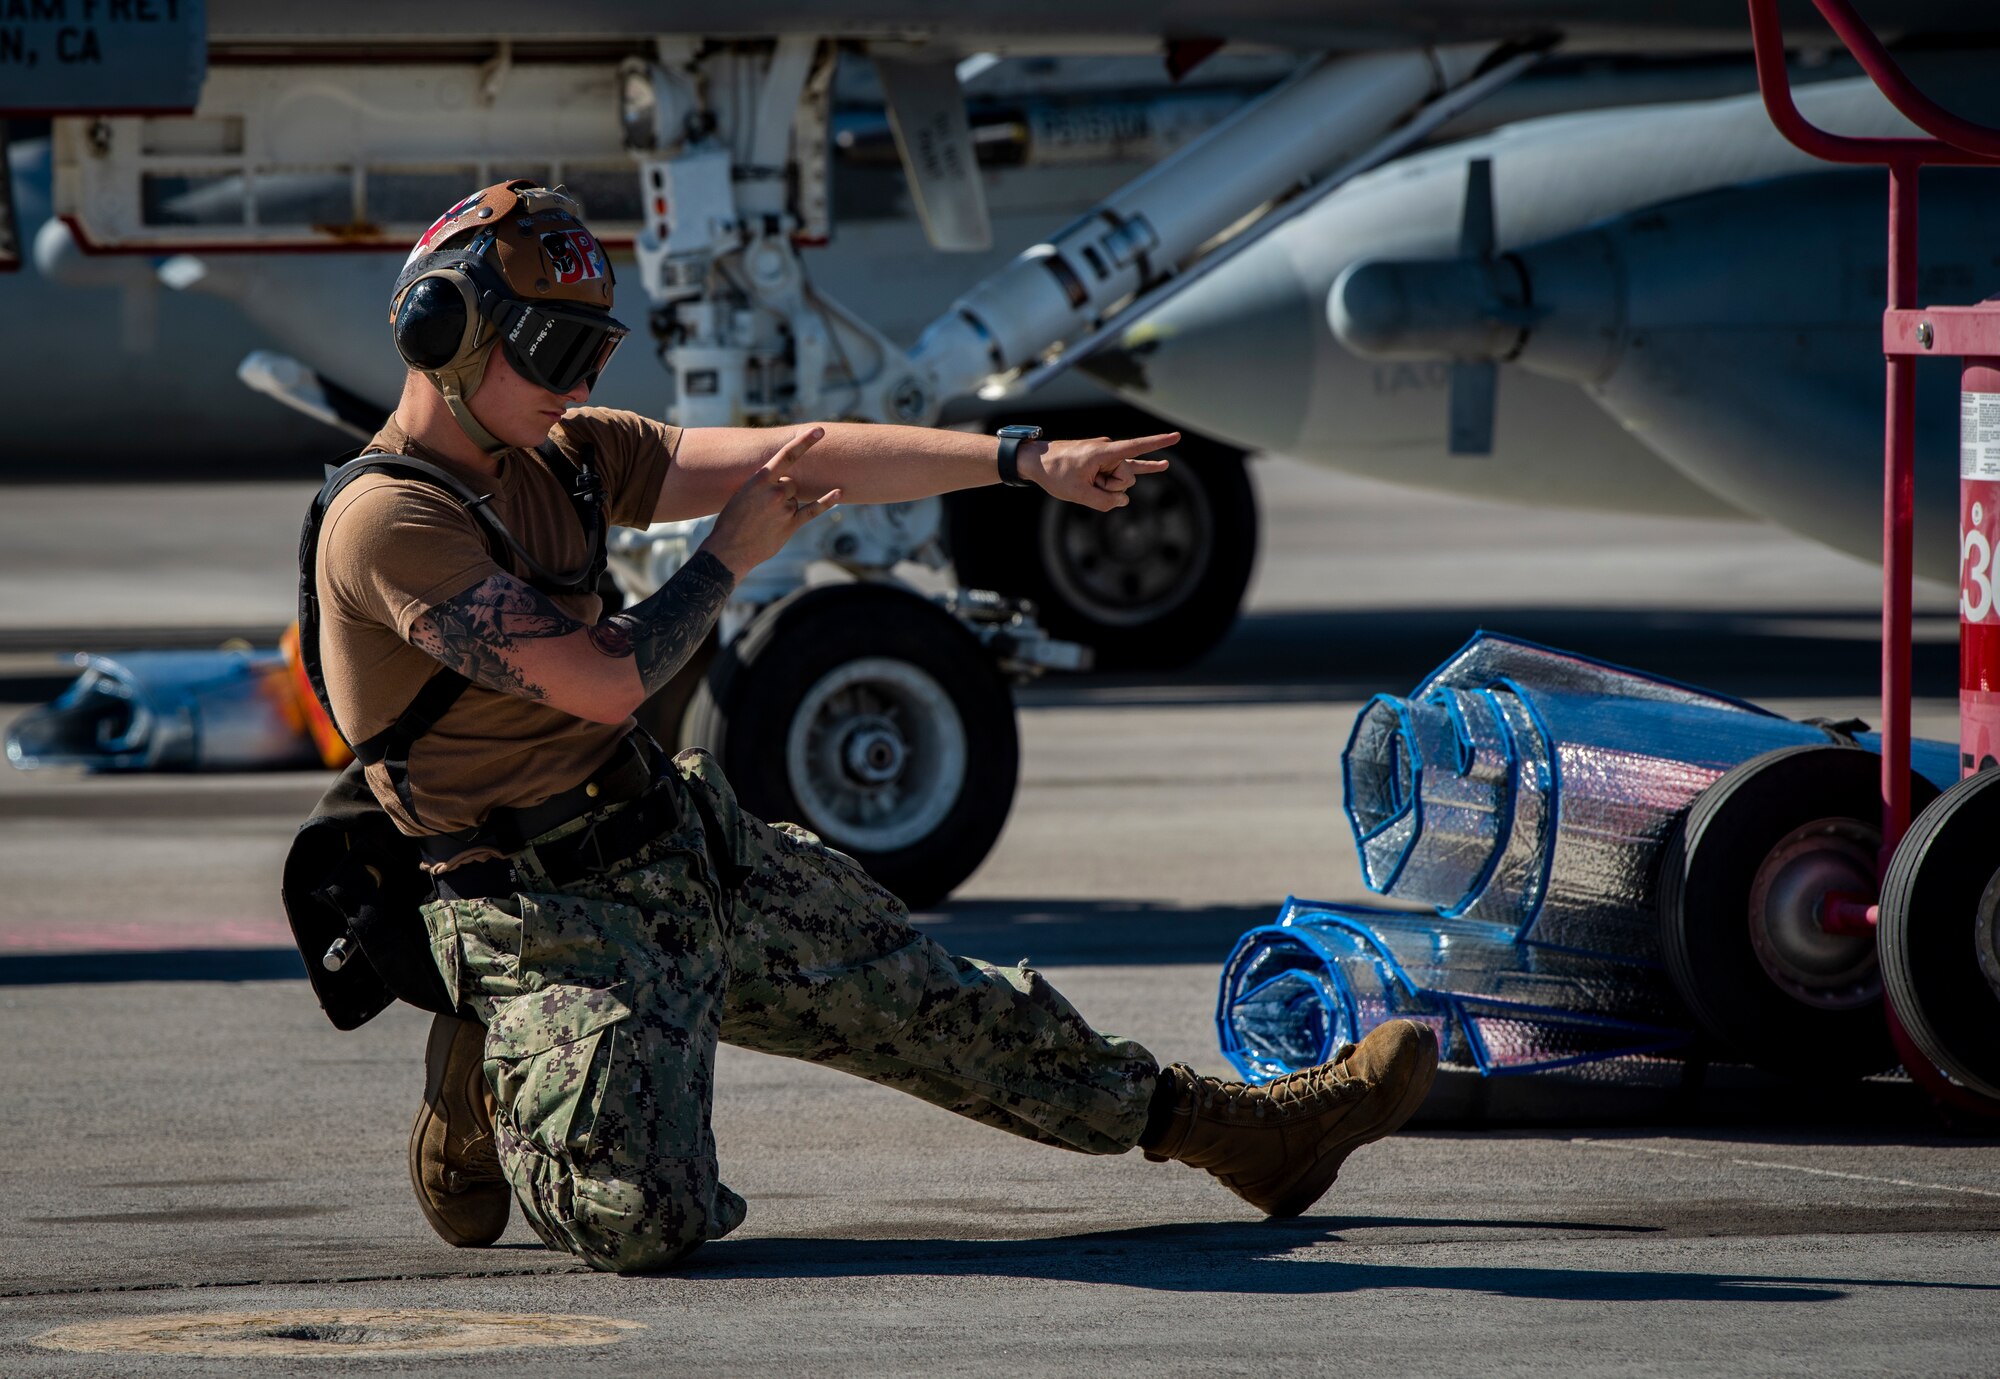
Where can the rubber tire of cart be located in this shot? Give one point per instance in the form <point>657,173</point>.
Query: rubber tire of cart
<point>1930,961</point>
<point>745,708</point>
<point>1706,878</point>
<point>1023,542</point>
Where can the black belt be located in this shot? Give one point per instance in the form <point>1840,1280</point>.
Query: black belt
<point>638,776</point>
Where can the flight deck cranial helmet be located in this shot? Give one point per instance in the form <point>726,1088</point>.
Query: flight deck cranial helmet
<point>511,265</point>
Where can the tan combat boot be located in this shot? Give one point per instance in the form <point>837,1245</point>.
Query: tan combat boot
<point>1280,1146</point>
<point>454,1164</point>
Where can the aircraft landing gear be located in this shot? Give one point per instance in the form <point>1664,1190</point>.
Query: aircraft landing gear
<point>876,719</point>
<point>1742,893</point>
<point>1150,586</point>
<point>1940,934</point>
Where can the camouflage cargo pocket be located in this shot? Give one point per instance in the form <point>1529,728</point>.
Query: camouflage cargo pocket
<point>546,1056</point>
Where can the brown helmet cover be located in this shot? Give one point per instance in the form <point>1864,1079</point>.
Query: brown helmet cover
<point>539,250</point>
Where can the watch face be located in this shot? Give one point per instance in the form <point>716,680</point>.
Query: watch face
<point>1022,433</point>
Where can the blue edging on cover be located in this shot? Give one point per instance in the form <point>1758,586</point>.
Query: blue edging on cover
<point>1414,805</point>
<point>1483,635</point>
<point>1298,918</point>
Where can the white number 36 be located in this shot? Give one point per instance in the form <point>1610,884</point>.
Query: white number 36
<point>1975,574</point>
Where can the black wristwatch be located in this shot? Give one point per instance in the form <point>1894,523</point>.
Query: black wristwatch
<point>1011,440</point>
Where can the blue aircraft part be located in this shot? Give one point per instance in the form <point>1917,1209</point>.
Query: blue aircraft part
<point>1525,795</point>
<point>1323,975</point>
<point>168,711</point>
<point>1535,788</point>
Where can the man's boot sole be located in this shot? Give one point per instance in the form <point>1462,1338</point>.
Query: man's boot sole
<point>1312,1189</point>
<point>437,1055</point>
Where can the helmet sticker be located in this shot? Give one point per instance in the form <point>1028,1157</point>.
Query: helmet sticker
<point>423,245</point>
<point>574,255</point>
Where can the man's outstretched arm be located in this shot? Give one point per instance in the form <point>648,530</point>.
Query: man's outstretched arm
<point>893,464</point>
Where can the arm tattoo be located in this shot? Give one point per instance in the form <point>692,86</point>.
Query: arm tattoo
<point>473,633</point>
<point>663,631</point>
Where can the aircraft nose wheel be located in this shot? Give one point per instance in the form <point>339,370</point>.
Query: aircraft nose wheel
<point>1742,895</point>
<point>1939,935</point>
<point>874,718</point>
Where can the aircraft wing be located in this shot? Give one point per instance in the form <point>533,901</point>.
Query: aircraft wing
<point>1099,25</point>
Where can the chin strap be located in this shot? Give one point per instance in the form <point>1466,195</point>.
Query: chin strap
<point>469,424</point>
<point>456,386</point>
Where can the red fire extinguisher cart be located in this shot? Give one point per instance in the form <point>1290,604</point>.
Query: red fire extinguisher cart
<point>1936,919</point>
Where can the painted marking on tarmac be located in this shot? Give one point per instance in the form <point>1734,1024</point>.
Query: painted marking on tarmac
<point>326,1331</point>
<point>115,936</point>
<point>1788,1168</point>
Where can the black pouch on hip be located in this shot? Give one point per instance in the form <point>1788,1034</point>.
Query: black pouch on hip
<point>352,887</point>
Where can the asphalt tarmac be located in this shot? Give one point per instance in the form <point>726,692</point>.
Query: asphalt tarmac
<point>191,1156</point>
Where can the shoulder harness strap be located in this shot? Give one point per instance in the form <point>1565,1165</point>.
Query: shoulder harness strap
<point>586,496</point>
<point>392,745</point>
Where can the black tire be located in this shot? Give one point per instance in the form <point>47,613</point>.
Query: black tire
<point>1939,891</point>
<point>794,748</point>
<point>1823,805</point>
<point>1150,586</point>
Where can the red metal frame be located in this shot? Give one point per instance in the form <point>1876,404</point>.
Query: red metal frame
<point>1907,335</point>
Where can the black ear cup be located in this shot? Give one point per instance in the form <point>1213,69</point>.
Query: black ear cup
<point>430,323</point>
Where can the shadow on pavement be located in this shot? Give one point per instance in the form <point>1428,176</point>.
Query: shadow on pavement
<point>1257,1258</point>
<point>1342,655</point>
<point>168,965</point>
<point>1113,933</point>
<point>1048,933</point>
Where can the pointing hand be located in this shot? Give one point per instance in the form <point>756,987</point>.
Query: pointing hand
<point>1096,473</point>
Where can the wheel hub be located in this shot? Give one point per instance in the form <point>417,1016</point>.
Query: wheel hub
<point>875,755</point>
<point>1135,563</point>
<point>1129,536</point>
<point>1826,970</point>
<point>1986,933</point>
<point>874,752</point>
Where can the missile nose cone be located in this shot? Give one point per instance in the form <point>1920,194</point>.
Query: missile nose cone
<point>1368,307</point>
<point>1426,309</point>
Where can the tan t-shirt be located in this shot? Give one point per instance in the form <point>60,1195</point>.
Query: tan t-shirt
<point>391,549</point>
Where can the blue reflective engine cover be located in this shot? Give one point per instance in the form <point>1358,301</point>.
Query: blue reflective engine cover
<point>1525,796</point>
<point>1324,975</point>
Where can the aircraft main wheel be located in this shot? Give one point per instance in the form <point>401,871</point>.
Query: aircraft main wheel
<point>1149,586</point>
<point>1939,933</point>
<point>1740,892</point>
<point>874,718</point>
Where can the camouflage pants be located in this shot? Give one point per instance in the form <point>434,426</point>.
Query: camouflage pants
<point>603,1003</point>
